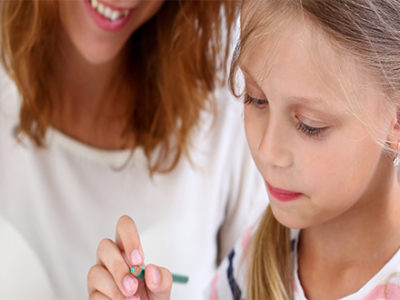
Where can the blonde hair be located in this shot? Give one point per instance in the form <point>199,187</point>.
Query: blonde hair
<point>370,32</point>
<point>269,275</point>
<point>189,37</point>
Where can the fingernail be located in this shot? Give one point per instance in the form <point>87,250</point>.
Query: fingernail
<point>155,275</point>
<point>133,298</point>
<point>130,284</point>
<point>136,257</point>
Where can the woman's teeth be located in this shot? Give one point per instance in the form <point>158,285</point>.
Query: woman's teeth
<point>107,12</point>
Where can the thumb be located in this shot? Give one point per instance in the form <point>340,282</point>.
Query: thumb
<point>159,282</point>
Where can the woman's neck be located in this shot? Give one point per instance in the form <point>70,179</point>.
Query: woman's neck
<point>92,108</point>
<point>350,249</point>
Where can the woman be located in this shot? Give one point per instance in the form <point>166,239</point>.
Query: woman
<point>117,117</point>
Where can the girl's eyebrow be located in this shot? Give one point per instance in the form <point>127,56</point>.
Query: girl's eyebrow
<point>317,105</point>
<point>302,100</point>
<point>309,101</point>
<point>249,77</point>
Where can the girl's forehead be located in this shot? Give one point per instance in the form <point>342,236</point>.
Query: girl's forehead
<point>304,57</point>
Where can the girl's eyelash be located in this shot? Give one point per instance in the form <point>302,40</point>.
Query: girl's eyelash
<point>310,131</point>
<point>251,100</point>
<point>314,132</point>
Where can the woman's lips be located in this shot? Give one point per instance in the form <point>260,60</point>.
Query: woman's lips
<point>282,195</point>
<point>103,22</point>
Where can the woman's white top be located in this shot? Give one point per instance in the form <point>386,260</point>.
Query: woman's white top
<point>62,200</point>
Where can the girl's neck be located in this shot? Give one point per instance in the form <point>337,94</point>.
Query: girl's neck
<point>92,108</point>
<point>358,243</point>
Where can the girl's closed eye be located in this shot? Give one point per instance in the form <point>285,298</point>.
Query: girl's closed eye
<point>314,132</point>
<point>258,103</point>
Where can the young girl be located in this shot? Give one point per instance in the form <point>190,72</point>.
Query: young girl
<point>107,109</point>
<point>322,116</point>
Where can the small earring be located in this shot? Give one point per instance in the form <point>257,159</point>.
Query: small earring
<point>396,161</point>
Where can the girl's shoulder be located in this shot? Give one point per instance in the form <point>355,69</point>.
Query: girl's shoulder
<point>383,285</point>
<point>230,280</point>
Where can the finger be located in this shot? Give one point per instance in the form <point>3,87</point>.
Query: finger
<point>110,257</point>
<point>101,283</point>
<point>128,240</point>
<point>142,292</point>
<point>98,296</point>
<point>159,282</point>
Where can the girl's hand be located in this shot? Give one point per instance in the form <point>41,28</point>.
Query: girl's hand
<point>110,278</point>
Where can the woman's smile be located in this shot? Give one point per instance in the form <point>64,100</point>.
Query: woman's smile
<point>108,17</point>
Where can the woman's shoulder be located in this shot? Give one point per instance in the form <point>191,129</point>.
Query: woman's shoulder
<point>9,97</point>
<point>222,124</point>
<point>228,105</point>
<point>219,136</point>
<point>9,115</point>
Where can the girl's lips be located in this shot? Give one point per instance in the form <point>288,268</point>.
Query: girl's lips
<point>105,23</point>
<point>282,195</point>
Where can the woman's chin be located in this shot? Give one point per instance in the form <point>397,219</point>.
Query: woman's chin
<point>99,57</point>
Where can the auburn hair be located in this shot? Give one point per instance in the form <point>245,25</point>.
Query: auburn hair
<point>177,58</point>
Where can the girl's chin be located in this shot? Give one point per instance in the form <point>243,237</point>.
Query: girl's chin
<point>292,221</point>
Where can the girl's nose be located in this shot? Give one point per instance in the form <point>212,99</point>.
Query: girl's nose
<point>274,146</point>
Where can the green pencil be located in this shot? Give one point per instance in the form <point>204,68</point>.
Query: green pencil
<point>138,272</point>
